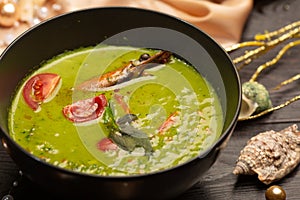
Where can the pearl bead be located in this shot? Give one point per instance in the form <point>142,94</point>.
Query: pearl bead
<point>57,7</point>
<point>42,12</point>
<point>7,197</point>
<point>275,192</point>
<point>14,13</point>
<point>8,13</point>
<point>8,38</point>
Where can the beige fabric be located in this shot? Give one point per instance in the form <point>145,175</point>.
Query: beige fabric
<point>221,19</point>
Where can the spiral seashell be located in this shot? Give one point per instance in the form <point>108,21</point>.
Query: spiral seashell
<point>248,107</point>
<point>271,155</point>
<point>255,99</point>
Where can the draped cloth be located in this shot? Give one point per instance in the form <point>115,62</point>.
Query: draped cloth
<point>223,20</point>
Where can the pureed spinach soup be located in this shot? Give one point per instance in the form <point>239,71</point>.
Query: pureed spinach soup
<point>112,110</point>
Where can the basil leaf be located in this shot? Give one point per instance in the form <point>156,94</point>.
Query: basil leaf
<point>133,132</point>
<point>124,134</point>
<point>128,118</point>
<point>126,128</point>
<point>126,142</point>
<point>129,143</point>
<point>108,119</point>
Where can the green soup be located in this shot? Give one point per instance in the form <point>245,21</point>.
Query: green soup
<point>177,115</point>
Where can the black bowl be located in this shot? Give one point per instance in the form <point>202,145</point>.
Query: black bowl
<point>141,28</point>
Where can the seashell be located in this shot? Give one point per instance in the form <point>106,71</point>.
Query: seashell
<point>271,155</point>
<point>255,99</point>
<point>248,107</point>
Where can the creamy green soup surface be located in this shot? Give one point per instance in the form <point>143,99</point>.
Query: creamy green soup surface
<point>159,117</point>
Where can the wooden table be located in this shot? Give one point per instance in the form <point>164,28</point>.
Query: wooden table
<point>219,182</point>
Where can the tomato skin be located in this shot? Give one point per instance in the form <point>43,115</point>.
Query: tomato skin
<point>121,101</point>
<point>106,144</point>
<point>85,110</point>
<point>39,88</point>
<point>170,121</point>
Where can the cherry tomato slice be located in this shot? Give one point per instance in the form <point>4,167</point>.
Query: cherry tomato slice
<point>106,144</point>
<point>85,110</point>
<point>40,88</point>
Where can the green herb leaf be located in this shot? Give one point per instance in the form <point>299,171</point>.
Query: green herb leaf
<point>133,132</point>
<point>129,143</point>
<point>128,118</point>
<point>127,128</point>
<point>124,134</point>
<point>124,142</point>
<point>109,121</point>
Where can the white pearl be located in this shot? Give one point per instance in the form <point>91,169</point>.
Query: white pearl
<point>35,21</point>
<point>8,197</point>
<point>8,38</point>
<point>42,12</point>
<point>8,13</point>
<point>57,7</point>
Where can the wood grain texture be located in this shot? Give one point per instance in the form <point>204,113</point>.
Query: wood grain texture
<point>219,183</point>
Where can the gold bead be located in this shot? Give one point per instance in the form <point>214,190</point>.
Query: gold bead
<point>275,192</point>
<point>8,13</point>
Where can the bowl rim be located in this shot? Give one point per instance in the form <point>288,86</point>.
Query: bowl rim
<point>225,134</point>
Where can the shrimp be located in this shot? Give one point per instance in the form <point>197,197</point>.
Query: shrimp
<point>128,72</point>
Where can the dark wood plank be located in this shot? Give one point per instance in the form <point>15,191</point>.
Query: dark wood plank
<point>219,182</point>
